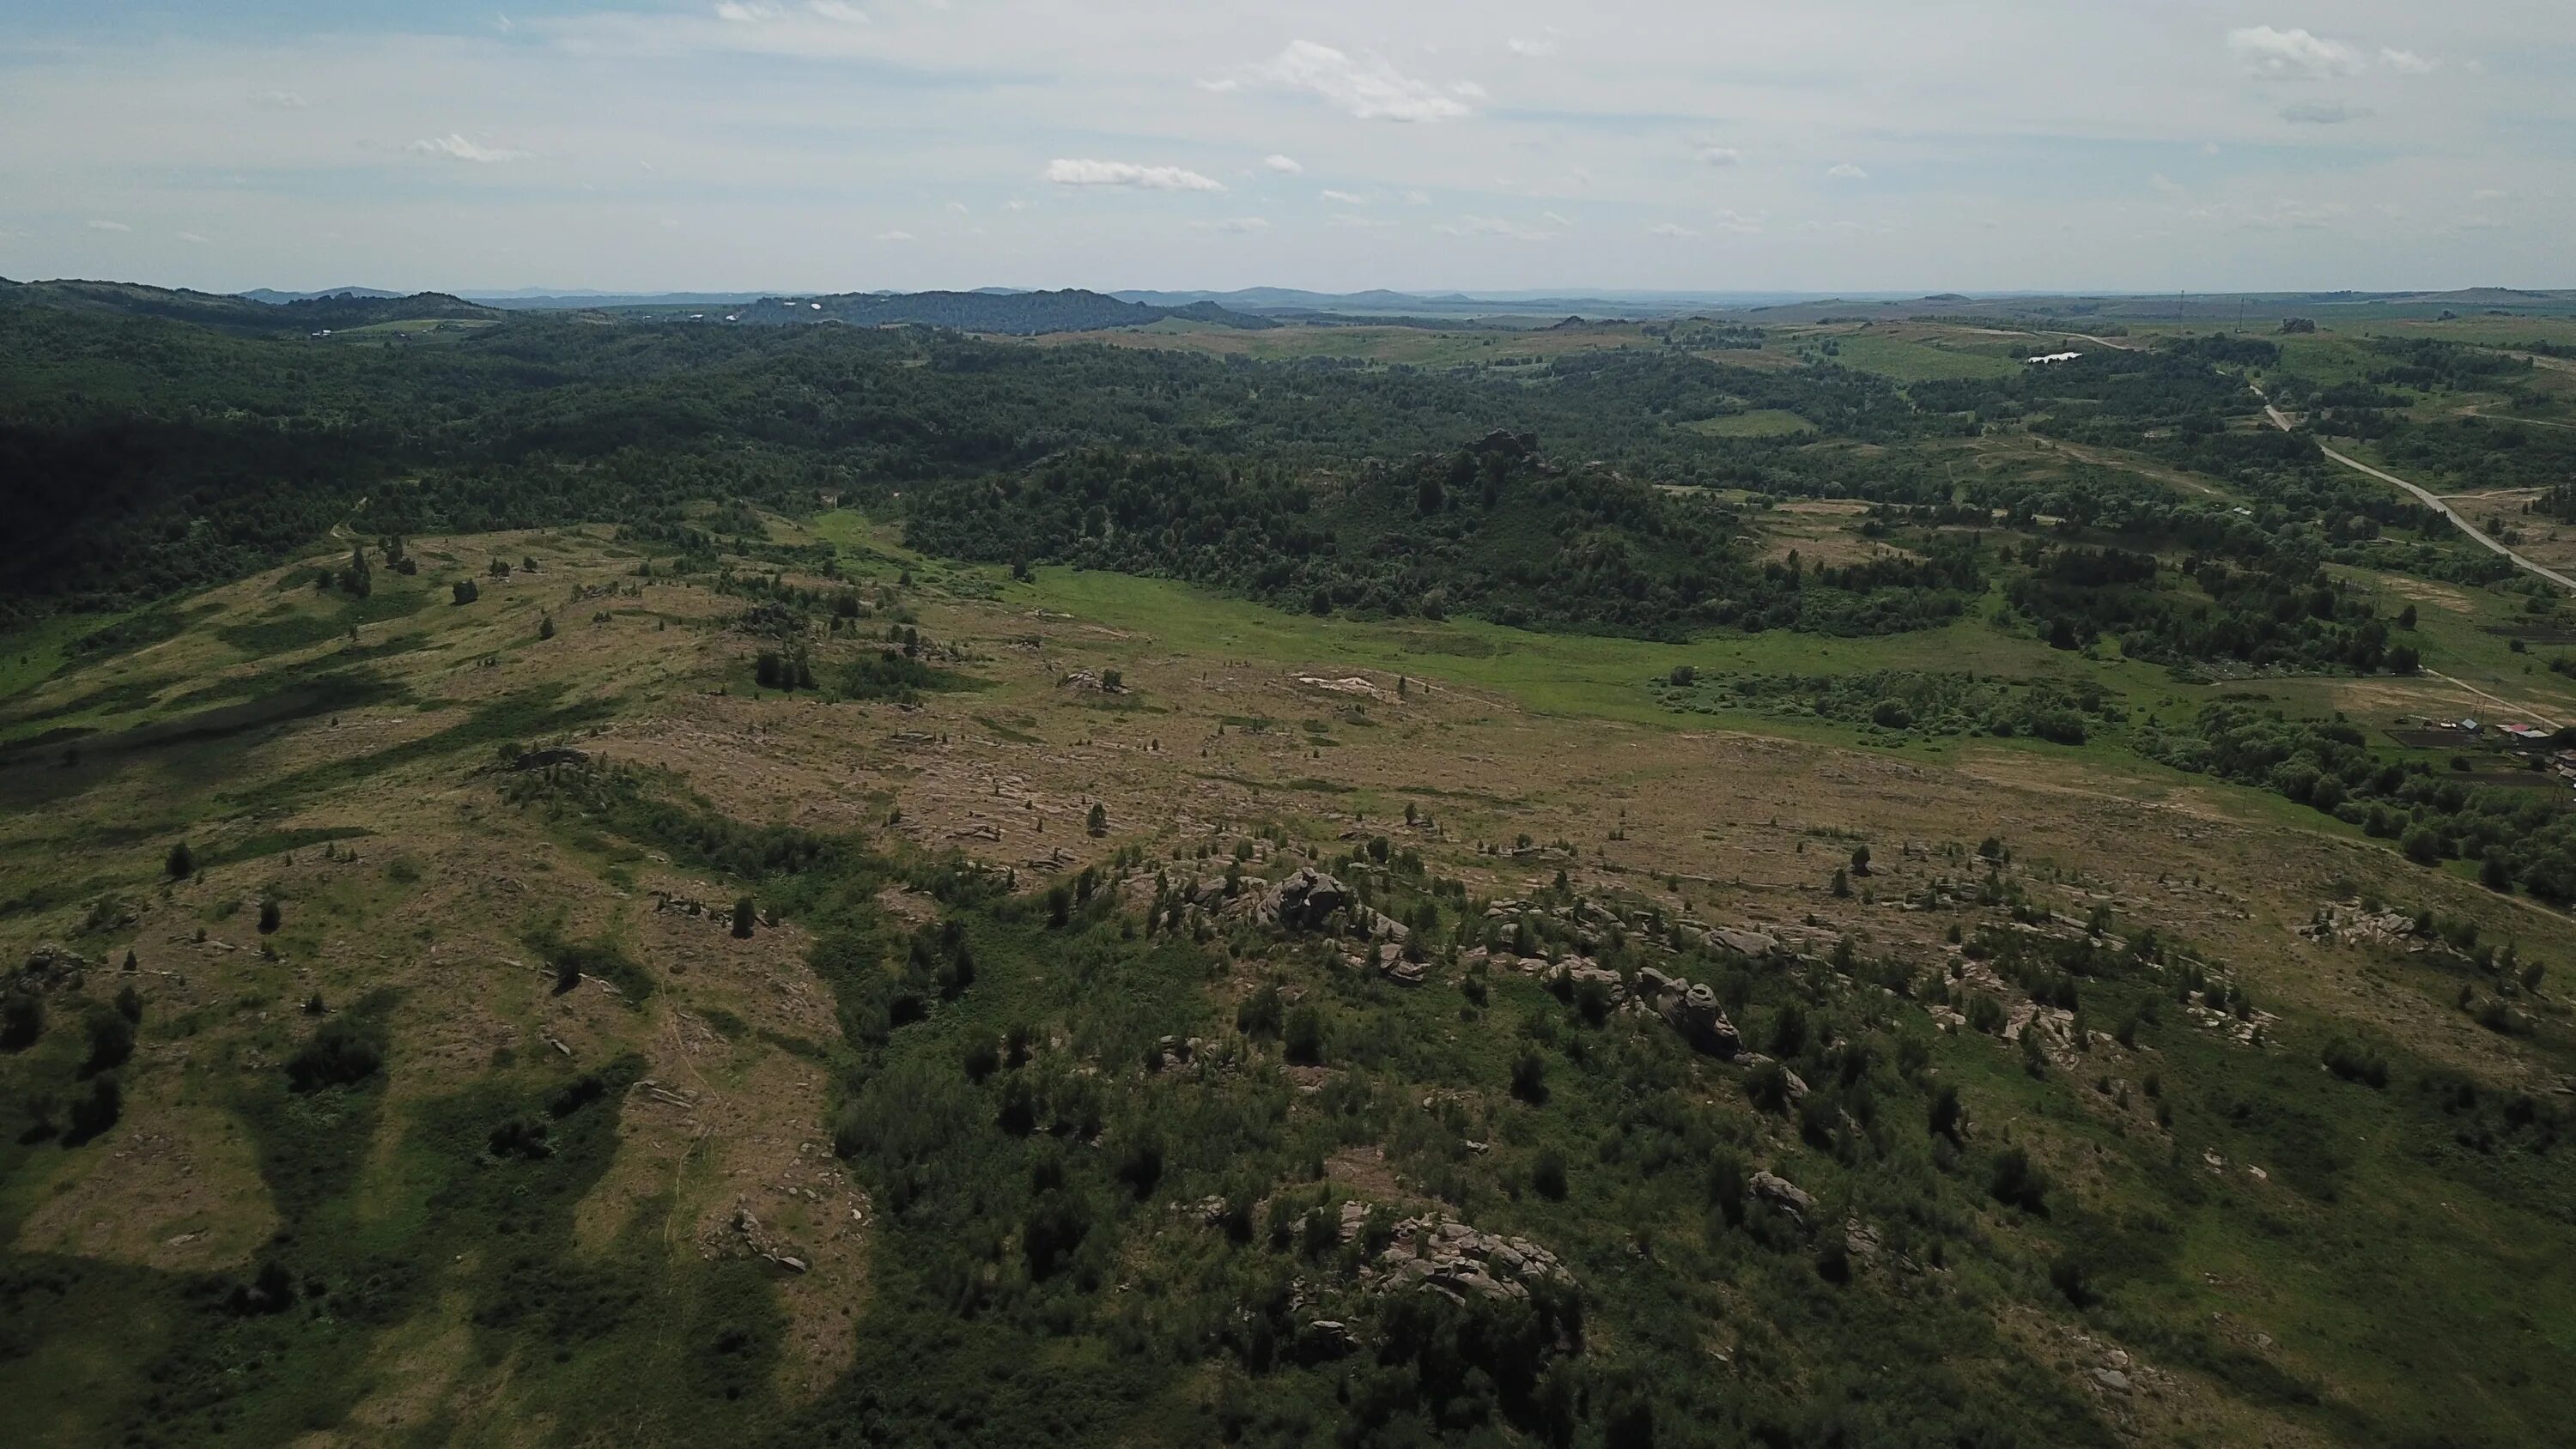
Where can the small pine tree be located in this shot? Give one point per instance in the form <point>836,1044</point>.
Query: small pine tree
<point>269,918</point>
<point>182,862</point>
<point>742,918</point>
<point>1841,888</point>
<point>129,1002</point>
<point>546,627</point>
<point>1860,860</point>
<point>1098,822</point>
<point>465,591</point>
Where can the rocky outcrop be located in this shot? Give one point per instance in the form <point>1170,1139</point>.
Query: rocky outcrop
<point>52,967</point>
<point>1441,1255</point>
<point>1783,1194</point>
<point>1691,1009</point>
<point>1304,901</point>
<point>1746,943</point>
<point>1310,900</point>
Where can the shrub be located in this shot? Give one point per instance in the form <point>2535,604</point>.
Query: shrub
<point>2072,1283</point>
<point>1767,1087</point>
<point>22,1020</point>
<point>1261,1013</point>
<point>2356,1064</point>
<point>111,1043</point>
<point>1304,1036</point>
<point>2018,1182</point>
<point>743,916</point>
<point>181,862</point>
<point>94,1113</point>
<point>523,1138</point>
<point>1547,1174</point>
<point>270,918</point>
<point>342,1053</point>
<point>1140,1163</point>
<point>1529,1078</point>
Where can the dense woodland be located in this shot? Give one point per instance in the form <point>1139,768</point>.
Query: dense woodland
<point>171,455</point>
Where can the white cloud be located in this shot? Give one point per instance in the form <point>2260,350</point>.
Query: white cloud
<point>1346,198</point>
<point>2322,113</point>
<point>2165,184</point>
<point>2479,222</point>
<point>892,236</point>
<point>1848,172</point>
<point>1550,216</point>
<point>278,101</point>
<point>1015,204</point>
<point>1069,172</point>
<point>192,238</point>
<point>1739,224</point>
<point>1543,43</point>
<point>1235,225</point>
<point>2291,55</point>
<point>1365,86</point>
<point>2405,62</point>
<point>1720,155</point>
<point>959,207</point>
<point>1416,198</point>
<point>1496,226</point>
<point>109,226</point>
<point>1284,165</point>
<point>457,148</point>
<point>750,12</point>
<point>1372,223</point>
<point>1667,228</point>
<point>2487,193</point>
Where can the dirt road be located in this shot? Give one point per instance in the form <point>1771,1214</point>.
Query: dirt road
<point>2430,501</point>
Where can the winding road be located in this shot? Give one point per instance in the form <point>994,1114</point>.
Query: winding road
<point>2281,421</point>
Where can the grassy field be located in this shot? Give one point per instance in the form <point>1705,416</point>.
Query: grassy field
<point>1758,423</point>
<point>1915,358</point>
<point>550,1192</point>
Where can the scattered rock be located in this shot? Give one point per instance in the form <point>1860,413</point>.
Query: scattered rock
<point>1747,943</point>
<point>1783,1194</point>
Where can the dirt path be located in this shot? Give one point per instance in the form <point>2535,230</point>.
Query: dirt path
<point>2498,701</point>
<point>2483,415</point>
<point>2101,458</point>
<point>2429,500</point>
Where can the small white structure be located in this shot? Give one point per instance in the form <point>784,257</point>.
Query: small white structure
<point>2053,357</point>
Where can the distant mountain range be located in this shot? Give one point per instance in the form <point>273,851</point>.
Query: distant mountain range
<point>1012,313</point>
<point>315,312</point>
<point>1016,312</point>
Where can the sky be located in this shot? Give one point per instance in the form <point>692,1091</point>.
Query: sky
<point>840,145</point>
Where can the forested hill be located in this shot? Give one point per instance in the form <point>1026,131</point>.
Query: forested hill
<point>1491,529</point>
<point>164,456</point>
<point>167,456</point>
<point>241,315</point>
<point>1017,314</point>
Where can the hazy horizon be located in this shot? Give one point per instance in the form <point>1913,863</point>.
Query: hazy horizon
<point>824,145</point>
